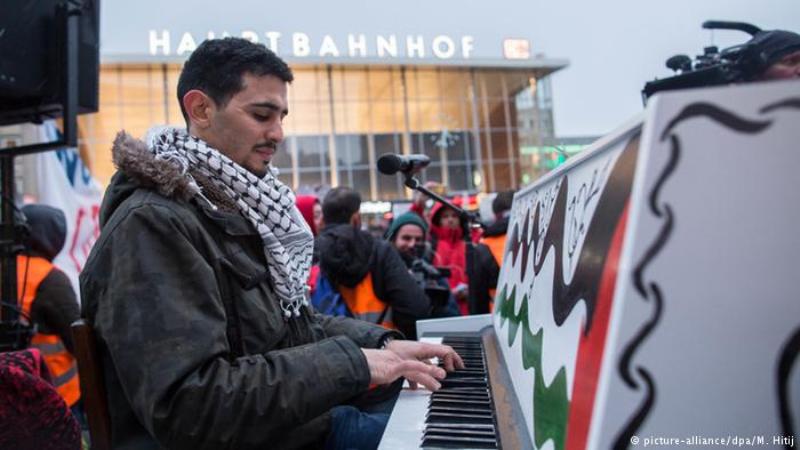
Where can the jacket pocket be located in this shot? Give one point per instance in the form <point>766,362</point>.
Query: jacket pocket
<point>251,301</point>
<point>248,274</point>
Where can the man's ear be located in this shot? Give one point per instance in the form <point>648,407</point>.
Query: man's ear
<point>199,107</point>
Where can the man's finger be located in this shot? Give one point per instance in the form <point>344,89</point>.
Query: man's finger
<point>410,366</point>
<point>449,364</point>
<point>418,372</point>
<point>459,363</point>
<point>424,379</point>
<point>452,359</point>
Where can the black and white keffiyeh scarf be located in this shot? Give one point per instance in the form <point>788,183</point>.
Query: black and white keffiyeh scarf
<point>266,202</point>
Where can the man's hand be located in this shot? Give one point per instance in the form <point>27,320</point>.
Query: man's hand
<point>424,351</point>
<point>385,366</point>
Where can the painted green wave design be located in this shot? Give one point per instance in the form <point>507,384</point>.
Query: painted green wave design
<point>550,403</point>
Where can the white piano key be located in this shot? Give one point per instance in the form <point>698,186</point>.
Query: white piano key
<point>407,421</point>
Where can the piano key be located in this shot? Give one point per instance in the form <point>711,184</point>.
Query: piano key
<point>441,433</point>
<point>457,382</point>
<point>443,417</point>
<point>483,427</point>
<point>454,402</point>
<point>459,442</point>
<point>447,396</point>
<point>460,414</point>
<point>445,431</point>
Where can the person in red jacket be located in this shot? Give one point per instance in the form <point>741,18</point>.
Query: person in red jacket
<point>311,209</point>
<point>450,250</point>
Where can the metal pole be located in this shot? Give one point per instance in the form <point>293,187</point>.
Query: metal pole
<point>8,290</point>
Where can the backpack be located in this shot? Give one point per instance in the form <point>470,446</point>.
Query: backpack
<point>327,300</point>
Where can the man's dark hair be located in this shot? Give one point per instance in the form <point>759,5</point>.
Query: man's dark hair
<point>502,202</point>
<point>340,204</point>
<point>217,67</point>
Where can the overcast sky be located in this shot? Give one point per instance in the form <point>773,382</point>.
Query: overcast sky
<point>613,46</point>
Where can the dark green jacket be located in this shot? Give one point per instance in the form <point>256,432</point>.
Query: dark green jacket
<point>195,349</point>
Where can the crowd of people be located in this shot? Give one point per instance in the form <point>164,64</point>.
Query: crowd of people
<point>231,313</point>
<point>417,272</point>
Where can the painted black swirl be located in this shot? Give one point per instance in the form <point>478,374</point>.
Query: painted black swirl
<point>789,356</point>
<point>789,103</point>
<point>717,114</point>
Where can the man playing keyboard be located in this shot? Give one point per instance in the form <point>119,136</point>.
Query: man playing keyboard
<point>196,285</point>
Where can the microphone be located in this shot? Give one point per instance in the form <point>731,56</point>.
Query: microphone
<point>391,164</point>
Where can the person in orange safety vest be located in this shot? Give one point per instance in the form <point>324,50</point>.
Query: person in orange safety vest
<point>47,297</point>
<point>489,252</point>
<point>368,272</point>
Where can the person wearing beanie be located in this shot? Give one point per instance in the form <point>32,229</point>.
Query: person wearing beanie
<point>407,234</point>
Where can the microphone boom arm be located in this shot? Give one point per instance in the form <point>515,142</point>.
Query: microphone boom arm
<point>466,217</point>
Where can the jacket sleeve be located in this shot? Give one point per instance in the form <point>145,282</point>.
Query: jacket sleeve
<point>365,334</point>
<point>397,287</point>
<point>163,323</point>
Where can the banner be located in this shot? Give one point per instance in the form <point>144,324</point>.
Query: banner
<point>65,182</point>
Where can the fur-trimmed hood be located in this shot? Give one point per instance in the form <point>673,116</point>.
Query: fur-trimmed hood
<point>137,167</point>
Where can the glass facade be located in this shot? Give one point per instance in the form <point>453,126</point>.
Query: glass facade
<point>471,122</point>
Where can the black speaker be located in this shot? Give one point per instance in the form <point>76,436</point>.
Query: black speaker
<point>32,58</point>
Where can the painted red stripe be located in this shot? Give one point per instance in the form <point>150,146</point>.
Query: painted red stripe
<point>591,347</point>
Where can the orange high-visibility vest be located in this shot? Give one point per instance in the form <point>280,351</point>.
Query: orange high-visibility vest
<point>365,305</point>
<point>30,273</point>
<point>496,244</point>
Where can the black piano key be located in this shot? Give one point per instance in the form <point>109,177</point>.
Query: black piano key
<point>477,413</point>
<point>464,391</point>
<point>459,442</point>
<point>469,365</point>
<point>456,402</point>
<point>461,388</point>
<point>467,409</point>
<point>445,431</point>
<point>468,398</point>
<point>469,369</point>
<point>457,398</point>
<point>456,382</point>
<point>461,413</point>
<point>465,373</point>
<point>483,427</point>
<point>458,433</point>
<point>445,417</point>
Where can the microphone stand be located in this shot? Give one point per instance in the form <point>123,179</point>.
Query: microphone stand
<point>467,220</point>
